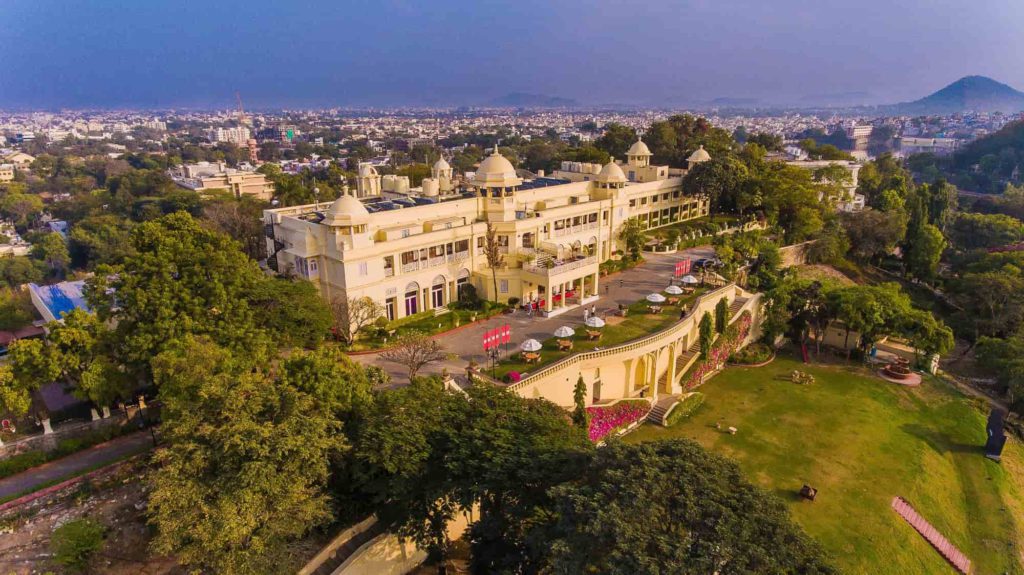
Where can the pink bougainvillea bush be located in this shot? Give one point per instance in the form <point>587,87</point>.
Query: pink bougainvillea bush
<point>720,351</point>
<point>606,420</point>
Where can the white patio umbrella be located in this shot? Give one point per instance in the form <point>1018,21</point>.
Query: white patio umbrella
<point>673,290</point>
<point>565,331</point>
<point>530,345</point>
<point>594,321</point>
<point>689,279</point>
<point>656,298</point>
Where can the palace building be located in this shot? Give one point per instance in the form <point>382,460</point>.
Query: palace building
<point>413,250</point>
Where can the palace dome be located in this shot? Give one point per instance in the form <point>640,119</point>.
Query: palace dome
<point>639,148</point>
<point>346,210</point>
<point>611,173</point>
<point>699,155</point>
<point>496,172</point>
<point>441,164</point>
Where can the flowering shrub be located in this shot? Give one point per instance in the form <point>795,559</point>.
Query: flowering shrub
<point>606,420</point>
<point>513,377</point>
<point>719,353</point>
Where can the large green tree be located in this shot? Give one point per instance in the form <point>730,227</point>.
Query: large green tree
<point>245,462</point>
<point>672,507</point>
<point>183,279</point>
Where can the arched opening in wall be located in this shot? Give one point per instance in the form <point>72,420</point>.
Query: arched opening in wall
<point>596,388</point>
<point>412,298</point>
<point>640,374</point>
<point>576,248</point>
<point>591,249</point>
<point>461,281</point>
<point>437,292</point>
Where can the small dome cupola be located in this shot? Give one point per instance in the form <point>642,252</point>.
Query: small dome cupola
<point>496,172</point>
<point>611,175</point>
<point>346,211</point>
<point>699,155</point>
<point>639,154</point>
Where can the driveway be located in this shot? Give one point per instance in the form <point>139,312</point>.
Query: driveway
<point>624,287</point>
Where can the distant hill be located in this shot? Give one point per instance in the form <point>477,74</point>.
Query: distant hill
<point>970,93</point>
<point>527,100</point>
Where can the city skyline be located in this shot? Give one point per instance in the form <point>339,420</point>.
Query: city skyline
<point>111,54</point>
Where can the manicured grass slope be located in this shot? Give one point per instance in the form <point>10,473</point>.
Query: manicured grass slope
<point>861,441</point>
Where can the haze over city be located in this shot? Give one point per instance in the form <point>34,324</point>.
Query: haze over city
<point>109,53</point>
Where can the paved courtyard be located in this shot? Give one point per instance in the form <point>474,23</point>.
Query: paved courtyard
<point>624,287</point>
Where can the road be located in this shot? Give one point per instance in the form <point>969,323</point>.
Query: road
<point>625,288</point>
<point>76,463</point>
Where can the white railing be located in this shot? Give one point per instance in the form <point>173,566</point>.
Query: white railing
<point>687,323</point>
<point>458,257</point>
<point>432,262</point>
<point>575,229</point>
<point>561,268</point>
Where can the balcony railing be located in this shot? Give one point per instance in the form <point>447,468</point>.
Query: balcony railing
<point>575,229</point>
<point>388,272</point>
<point>431,262</point>
<point>562,268</point>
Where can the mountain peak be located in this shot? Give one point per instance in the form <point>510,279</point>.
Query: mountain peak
<point>970,93</point>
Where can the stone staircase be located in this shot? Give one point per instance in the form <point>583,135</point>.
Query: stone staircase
<point>737,303</point>
<point>661,409</point>
<point>439,311</point>
<point>687,357</point>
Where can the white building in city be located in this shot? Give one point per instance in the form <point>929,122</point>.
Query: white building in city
<point>238,135</point>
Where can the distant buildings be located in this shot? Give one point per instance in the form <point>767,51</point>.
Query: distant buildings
<point>238,136</point>
<point>938,146</point>
<point>850,201</point>
<point>6,172</point>
<point>206,176</point>
<point>20,160</point>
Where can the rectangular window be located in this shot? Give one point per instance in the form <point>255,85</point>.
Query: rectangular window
<point>592,217</point>
<point>364,268</point>
<point>462,246</point>
<point>405,233</point>
<point>503,286</point>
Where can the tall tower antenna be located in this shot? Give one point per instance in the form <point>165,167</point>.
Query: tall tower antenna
<point>242,119</point>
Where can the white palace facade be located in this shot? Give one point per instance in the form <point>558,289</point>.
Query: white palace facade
<point>412,250</point>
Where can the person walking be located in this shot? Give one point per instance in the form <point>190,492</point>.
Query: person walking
<point>586,314</point>
<point>593,310</point>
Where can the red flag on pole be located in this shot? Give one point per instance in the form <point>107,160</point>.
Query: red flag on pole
<point>506,333</point>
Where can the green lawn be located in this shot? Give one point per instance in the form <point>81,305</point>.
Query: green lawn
<point>861,441</point>
<point>638,323</point>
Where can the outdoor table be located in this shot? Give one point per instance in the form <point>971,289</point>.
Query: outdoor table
<point>655,309</point>
<point>592,335</point>
<point>673,300</point>
<point>531,357</point>
<point>564,345</point>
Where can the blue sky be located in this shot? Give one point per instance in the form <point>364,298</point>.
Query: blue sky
<point>156,53</point>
